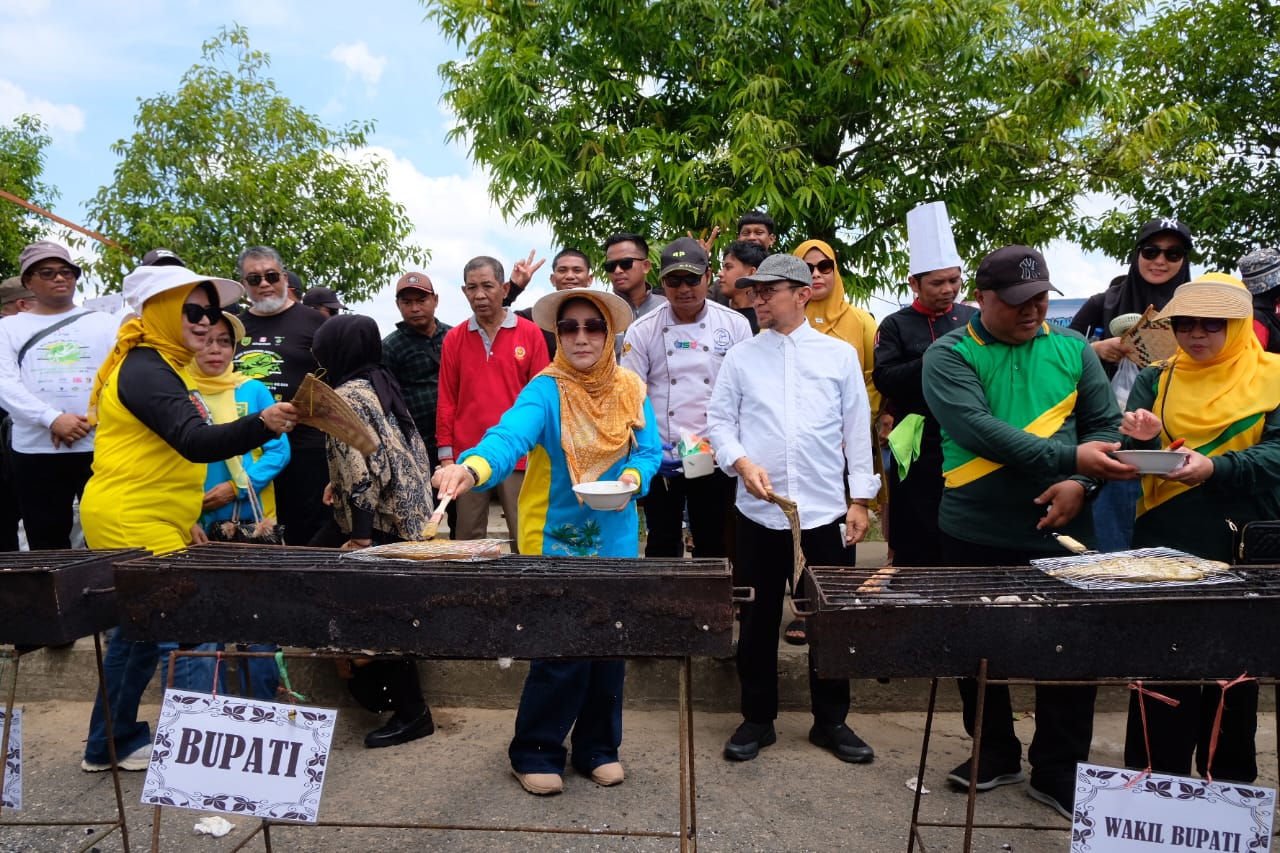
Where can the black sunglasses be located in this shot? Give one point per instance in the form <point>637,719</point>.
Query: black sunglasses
<point>194,313</point>
<point>824,266</point>
<point>1211,326</point>
<point>675,282</point>
<point>625,263</point>
<point>1173,254</point>
<point>593,326</point>
<point>253,279</point>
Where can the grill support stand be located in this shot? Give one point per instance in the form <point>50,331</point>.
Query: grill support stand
<point>914,838</point>
<point>111,825</point>
<point>687,833</point>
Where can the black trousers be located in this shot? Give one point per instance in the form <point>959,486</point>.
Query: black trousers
<point>47,485</point>
<point>10,508</point>
<point>766,563</point>
<point>709,499</point>
<point>300,493</point>
<point>913,512</point>
<point>1176,732</point>
<point>1064,715</point>
<point>451,511</point>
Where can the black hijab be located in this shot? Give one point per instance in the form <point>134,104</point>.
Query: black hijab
<point>349,347</point>
<point>1133,293</point>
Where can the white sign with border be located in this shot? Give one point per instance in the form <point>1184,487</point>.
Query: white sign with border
<point>239,756</point>
<point>11,786</point>
<point>1163,812</point>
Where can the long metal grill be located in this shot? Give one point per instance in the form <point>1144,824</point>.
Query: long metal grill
<point>927,622</point>
<point>55,597</point>
<point>514,606</point>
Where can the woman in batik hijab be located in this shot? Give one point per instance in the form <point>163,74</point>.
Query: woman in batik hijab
<point>1220,392</point>
<point>584,418</point>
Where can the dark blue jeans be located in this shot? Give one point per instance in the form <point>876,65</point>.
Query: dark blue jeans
<point>585,695</point>
<point>1114,512</point>
<point>196,673</point>
<point>128,667</point>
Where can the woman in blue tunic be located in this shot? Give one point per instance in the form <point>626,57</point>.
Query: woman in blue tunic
<point>583,418</point>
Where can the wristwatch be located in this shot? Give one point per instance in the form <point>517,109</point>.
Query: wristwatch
<point>475,475</point>
<point>1091,488</point>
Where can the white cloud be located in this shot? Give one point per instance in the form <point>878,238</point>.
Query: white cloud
<point>357,59</point>
<point>61,118</point>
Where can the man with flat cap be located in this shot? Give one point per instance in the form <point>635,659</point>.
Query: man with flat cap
<point>789,416</point>
<point>1027,418</point>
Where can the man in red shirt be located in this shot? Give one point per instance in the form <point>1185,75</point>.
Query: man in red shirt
<point>483,365</point>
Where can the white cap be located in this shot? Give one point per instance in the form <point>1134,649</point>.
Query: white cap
<point>146,282</point>
<point>929,235</point>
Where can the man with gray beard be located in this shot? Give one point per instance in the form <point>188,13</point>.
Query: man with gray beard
<point>277,352</point>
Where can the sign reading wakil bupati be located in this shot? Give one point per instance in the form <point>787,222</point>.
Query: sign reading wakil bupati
<point>240,756</point>
<point>1161,812</point>
<point>11,783</point>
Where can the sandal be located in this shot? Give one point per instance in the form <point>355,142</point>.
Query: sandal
<point>796,634</point>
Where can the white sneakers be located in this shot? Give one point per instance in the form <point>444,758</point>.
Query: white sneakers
<point>136,760</point>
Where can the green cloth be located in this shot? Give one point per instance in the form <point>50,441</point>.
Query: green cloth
<point>904,442</point>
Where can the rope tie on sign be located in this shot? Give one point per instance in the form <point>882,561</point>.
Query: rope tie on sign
<point>285,687</point>
<point>1146,735</point>
<point>1217,720</point>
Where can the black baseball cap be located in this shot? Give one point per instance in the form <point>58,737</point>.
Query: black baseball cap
<point>1017,273</point>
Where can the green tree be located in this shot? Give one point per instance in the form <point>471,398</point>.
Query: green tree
<point>1219,62</point>
<point>835,116</point>
<point>22,145</point>
<point>228,162</point>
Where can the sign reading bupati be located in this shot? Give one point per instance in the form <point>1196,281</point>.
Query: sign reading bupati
<point>1161,812</point>
<point>240,756</point>
<point>11,784</point>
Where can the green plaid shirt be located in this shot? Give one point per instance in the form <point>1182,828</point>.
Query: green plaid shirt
<point>414,359</point>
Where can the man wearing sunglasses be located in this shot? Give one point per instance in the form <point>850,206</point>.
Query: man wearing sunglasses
<point>626,262</point>
<point>277,352</point>
<point>677,349</point>
<point>48,358</point>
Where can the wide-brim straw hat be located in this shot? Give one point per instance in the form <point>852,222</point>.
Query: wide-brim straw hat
<point>146,282</point>
<point>546,309</point>
<point>1213,294</point>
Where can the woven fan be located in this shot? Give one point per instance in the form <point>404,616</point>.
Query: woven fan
<point>319,406</point>
<point>1152,340</point>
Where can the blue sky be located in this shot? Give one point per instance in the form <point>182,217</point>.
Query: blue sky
<point>82,65</point>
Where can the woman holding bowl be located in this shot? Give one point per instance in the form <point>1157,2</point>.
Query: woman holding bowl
<point>1220,392</point>
<point>580,420</point>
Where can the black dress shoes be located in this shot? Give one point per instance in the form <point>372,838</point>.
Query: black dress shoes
<point>842,742</point>
<point>398,731</point>
<point>748,740</point>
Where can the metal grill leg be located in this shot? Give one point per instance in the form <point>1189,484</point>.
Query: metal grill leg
<point>924,756</point>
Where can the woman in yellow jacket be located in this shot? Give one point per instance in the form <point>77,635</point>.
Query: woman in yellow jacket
<point>155,436</point>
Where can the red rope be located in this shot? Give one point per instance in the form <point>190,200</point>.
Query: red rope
<point>1217,720</point>
<point>1146,735</point>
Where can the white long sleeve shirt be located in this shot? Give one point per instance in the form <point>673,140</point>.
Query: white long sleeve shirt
<point>56,373</point>
<point>679,363</point>
<point>796,405</point>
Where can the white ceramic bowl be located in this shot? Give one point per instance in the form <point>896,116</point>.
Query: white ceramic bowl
<point>1151,461</point>
<point>605,494</point>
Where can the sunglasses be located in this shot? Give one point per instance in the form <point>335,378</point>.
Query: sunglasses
<point>49,274</point>
<point>253,279</point>
<point>764,294</point>
<point>824,266</point>
<point>194,313</point>
<point>1182,325</point>
<point>1172,254</point>
<point>593,326</point>
<point>623,263</point>
<point>675,282</point>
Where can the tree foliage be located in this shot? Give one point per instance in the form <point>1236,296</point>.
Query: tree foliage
<point>228,162</point>
<point>835,116</point>
<point>1219,171</point>
<point>22,145</point>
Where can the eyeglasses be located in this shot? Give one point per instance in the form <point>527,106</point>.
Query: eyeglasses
<point>1173,254</point>
<point>675,282</point>
<point>592,326</point>
<point>253,279</point>
<point>193,313</point>
<point>1211,326</point>
<point>624,263</point>
<point>764,294</point>
<point>51,274</point>
<point>824,266</point>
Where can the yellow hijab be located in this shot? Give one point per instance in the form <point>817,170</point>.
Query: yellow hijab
<point>1218,405</point>
<point>219,395</point>
<point>599,407</point>
<point>159,327</point>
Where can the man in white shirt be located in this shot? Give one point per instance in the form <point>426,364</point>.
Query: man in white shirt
<point>677,349</point>
<point>48,358</point>
<point>788,414</point>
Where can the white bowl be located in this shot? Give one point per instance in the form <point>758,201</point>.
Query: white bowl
<point>698,465</point>
<point>1151,461</point>
<point>605,494</point>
